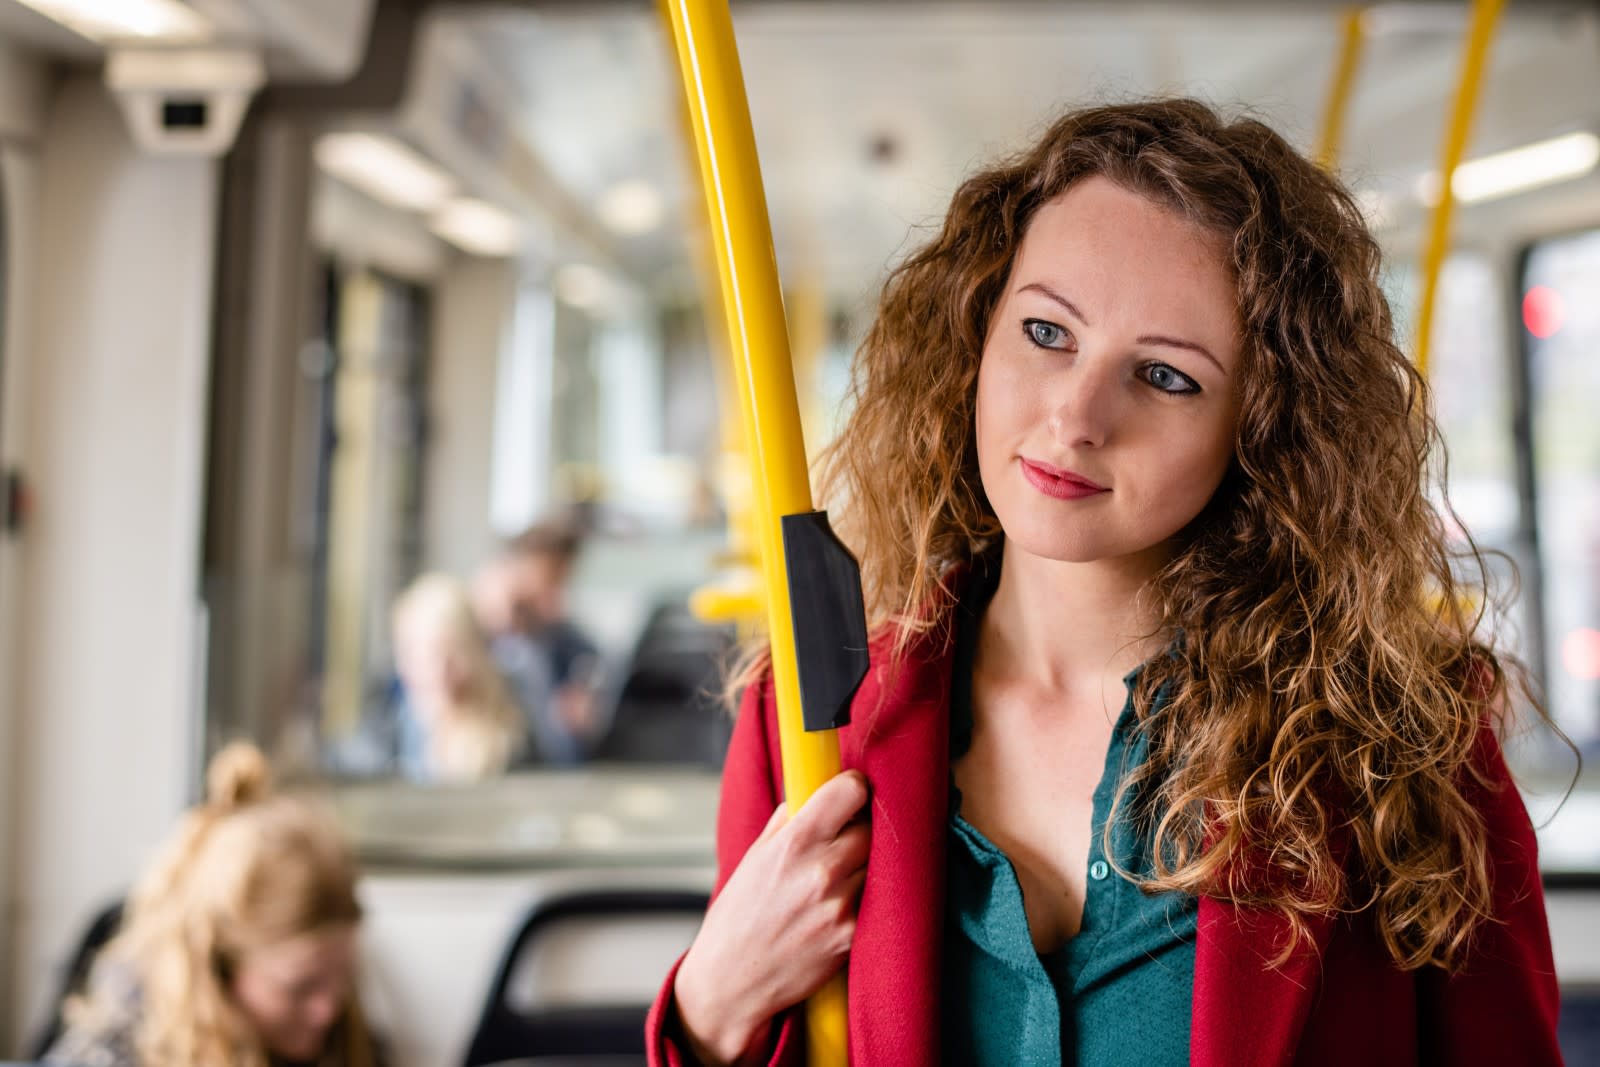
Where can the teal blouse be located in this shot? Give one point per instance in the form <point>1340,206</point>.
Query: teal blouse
<point>1117,993</point>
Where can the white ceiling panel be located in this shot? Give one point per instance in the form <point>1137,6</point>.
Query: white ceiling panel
<point>868,115</point>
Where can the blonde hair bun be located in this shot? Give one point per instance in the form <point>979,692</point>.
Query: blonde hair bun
<point>238,775</point>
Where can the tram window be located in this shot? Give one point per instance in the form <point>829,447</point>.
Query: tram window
<point>1470,376</point>
<point>1470,381</point>
<point>1561,324</point>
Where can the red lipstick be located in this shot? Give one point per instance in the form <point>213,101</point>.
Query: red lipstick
<point>1058,483</point>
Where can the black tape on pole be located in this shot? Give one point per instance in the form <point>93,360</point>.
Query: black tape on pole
<point>830,619</point>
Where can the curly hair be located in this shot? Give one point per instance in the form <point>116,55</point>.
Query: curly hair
<point>246,869</point>
<point>1314,755</point>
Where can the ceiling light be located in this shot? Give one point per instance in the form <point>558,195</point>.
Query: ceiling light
<point>581,286</point>
<point>108,19</point>
<point>1527,168</point>
<point>1517,170</point>
<point>479,228</point>
<point>631,207</point>
<point>385,170</point>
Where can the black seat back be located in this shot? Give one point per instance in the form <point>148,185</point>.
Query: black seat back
<point>75,980</point>
<point>667,708</point>
<point>601,1032</point>
<point>1580,1025</point>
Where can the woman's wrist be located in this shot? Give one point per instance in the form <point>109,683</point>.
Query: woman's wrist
<point>717,1033</point>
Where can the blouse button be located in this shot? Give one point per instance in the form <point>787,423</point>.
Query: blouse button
<point>1098,870</point>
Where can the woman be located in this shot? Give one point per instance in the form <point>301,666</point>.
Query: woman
<point>1180,738</point>
<point>456,720</point>
<point>239,946</point>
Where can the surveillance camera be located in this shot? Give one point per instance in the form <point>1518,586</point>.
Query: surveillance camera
<point>184,101</point>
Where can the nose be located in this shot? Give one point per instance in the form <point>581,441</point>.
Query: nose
<point>1085,406</point>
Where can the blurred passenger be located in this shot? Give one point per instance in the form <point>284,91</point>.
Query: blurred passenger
<point>455,719</point>
<point>239,945</point>
<point>521,598</point>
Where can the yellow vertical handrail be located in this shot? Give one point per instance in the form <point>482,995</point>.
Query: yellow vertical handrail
<point>708,61</point>
<point>1344,79</point>
<point>1485,14</point>
<point>735,594</point>
<point>808,339</point>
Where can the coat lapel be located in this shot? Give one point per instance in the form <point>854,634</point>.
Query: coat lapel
<point>900,738</point>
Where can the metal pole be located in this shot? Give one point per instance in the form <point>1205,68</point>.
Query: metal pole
<point>1485,14</point>
<point>758,339</point>
<point>1344,80</point>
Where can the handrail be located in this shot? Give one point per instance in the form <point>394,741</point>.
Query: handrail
<point>1480,35</point>
<point>1344,79</point>
<point>730,172</point>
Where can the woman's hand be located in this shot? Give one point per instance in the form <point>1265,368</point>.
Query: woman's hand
<point>781,926</point>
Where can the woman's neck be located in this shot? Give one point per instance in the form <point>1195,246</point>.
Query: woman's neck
<point>1066,626</point>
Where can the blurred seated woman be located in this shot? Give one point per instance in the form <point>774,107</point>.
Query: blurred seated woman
<point>454,717</point>
<point>239,946</point>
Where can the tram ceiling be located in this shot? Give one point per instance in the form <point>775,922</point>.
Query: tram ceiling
<point>1435,10</point>
<point>868,114</point>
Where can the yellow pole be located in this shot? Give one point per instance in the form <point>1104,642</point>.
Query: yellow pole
<point>735,594</point>
<point>808,338</point>
<point>1344,80</point>
<point>708,60</point>
<point>1485,13</point>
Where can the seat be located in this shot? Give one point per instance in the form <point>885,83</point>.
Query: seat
<point>1579,1025</point>
<point>666,710</point>
<point>102,928</point>
<point>566,990</point>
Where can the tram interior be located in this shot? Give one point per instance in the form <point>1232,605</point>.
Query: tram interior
<point>305,299</point>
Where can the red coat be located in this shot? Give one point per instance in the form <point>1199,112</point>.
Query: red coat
<point>1339,1001</point>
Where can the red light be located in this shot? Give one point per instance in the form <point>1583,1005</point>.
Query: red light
<point>1543,311</point>
<point>1580,653</point>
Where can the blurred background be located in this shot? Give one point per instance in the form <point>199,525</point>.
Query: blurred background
<point>359,397</point>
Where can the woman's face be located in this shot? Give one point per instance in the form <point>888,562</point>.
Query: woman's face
<point>428,660</point>
<point>1108,393</point>
<point>293,993</point>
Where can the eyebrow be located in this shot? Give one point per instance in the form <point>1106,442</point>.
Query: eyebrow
<point>1146,339</point>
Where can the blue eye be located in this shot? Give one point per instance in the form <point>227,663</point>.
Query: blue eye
<point>1169,379</point>
<point>1044,334</point>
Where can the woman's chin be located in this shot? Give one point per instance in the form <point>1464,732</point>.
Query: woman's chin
<point>1061,546</point>
<point>300,1049</point>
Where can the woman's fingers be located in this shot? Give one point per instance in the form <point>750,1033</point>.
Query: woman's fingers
<point>832,806</point>
<point>783,921</point>
<point>780,816</point>
<point>848,852</point>
<point>853,885</point>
